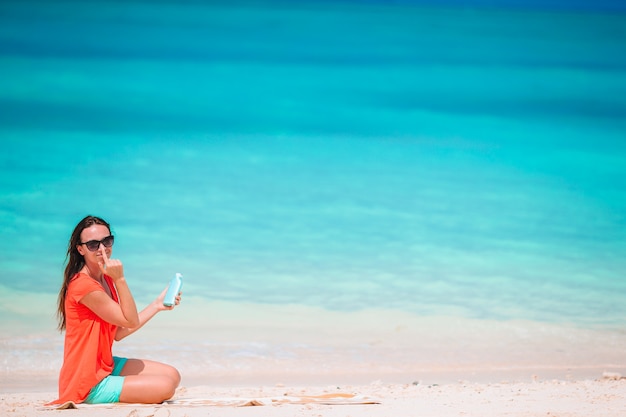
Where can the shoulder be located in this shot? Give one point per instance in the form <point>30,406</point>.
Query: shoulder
<point>82,284</point>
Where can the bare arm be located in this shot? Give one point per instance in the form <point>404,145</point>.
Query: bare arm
<point>123,314</point>
<point>145,315</point>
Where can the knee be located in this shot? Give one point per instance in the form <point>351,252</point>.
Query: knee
<point>166,389</point>
<point>174,375</point>
<point>168,393</point>
<point>172,383</point>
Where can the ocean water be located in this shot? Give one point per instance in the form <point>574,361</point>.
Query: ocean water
<point>459,160</point>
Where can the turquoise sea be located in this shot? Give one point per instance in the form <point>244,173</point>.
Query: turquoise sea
<point>460,159</point>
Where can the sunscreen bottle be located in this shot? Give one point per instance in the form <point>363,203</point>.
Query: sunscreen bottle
<point>172,291</point>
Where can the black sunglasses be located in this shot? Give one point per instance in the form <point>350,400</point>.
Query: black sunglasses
<point>93,245</point>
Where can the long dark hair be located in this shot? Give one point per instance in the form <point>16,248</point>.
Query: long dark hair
<point>75,262</point>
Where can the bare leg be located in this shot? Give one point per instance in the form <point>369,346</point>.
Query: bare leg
<point>148,382</point>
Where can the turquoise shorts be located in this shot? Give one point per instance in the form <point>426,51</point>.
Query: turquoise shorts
<point>109,389</point>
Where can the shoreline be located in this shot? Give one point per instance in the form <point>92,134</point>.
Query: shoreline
<point>291,342</point>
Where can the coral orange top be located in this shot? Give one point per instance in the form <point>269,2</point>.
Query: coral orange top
<point>87,357</point>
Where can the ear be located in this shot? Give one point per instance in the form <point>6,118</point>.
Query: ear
<point>80,249</point>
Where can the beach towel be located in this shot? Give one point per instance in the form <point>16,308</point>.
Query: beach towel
<point>324,399</point>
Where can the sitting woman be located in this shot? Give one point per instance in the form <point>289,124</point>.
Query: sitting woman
<point>96,307</point>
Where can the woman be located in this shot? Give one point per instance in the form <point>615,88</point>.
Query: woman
<point>95,308</point>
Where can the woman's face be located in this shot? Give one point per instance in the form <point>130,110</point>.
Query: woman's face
<point>96,232</point>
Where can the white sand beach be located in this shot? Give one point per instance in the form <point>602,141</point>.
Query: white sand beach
<point>232,355</point>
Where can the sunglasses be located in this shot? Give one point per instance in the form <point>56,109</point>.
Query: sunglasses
<point>93,245</point>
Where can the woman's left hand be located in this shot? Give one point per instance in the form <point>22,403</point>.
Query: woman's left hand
<point>160,298</point>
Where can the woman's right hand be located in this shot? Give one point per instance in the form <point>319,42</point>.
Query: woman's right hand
<point>111,267</point>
